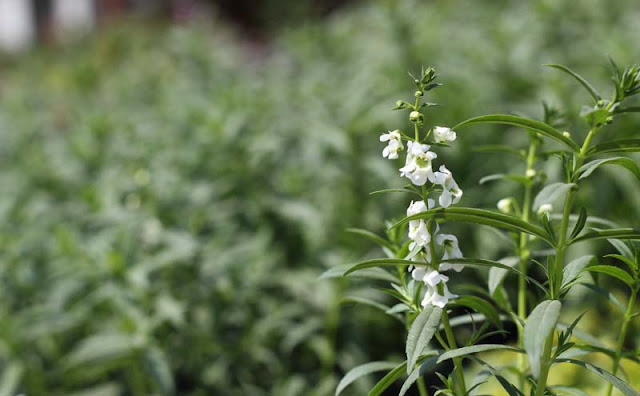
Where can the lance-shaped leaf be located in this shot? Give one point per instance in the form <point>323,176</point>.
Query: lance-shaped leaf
<point>614,272</point>
<point>625,162</point>
<point>620,110</point>
<point>625,388</point>
<point>594,93</point>
<point>616,146</point>
<point>506,266</point>
<point>497,275</point>
<point>388,379</point>
<point>537,126</point>
<point>370,273</point>
<point>501,176</point>
<point>384,262</point>
<point>572,271</point>
<point>481,216</point>
<point>420,333</point>
<point>551,193</point>
<point>539,325</point>
<point>362,370</point>
<point>428,363</point>
<point>468,350</point>
<point>481,306</point>
<point>616,233</point>
<point>372,237</point>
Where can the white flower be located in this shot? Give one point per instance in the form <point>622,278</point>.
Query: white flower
<point>442,134</point>
<point>451,193</point>
<point>545,208</point>
<point>433,297</point>
<point>418,231</point>
<point>451,249</point>
<point>394,145</point>
<point>417,167</point>
<point>433,277</point>
<point>504,205</point>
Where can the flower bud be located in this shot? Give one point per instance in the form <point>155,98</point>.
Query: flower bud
<point>544,208</point>
<point>566,134</point>
<point>504,205</point>
<point>418,94</point>
<point>531,173</point>
<point>416,117</point>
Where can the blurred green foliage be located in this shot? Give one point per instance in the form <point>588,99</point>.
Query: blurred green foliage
<point>168,201</point>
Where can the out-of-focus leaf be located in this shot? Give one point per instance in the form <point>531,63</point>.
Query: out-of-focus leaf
<point>362,370</point>
<point>627,163</point>
<point>625,388</point>
<point>592,91</point>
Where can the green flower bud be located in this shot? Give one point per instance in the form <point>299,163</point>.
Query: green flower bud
<point>418,94</point>
<point>416,117</point>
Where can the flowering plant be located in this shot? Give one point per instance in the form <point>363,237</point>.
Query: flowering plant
<point>542,227</point>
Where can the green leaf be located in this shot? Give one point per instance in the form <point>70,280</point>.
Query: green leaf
<point>421,331</point>
<point>526,123</point>
<point>160,370</point>
<point>580,223</point>
<point>371,303</point>
<point>388,379</point>
<point>622,248</point>
<point>633,266</point>
<point>539,325</point>
<point>386,262</point>
<point>418,372</point>
<point>362,370</point>
<point>614,272</point>
<point>497,275</point>
<point>482,263</point>
<point>372,237</point>
<point>572,271</point>
<point>468,350</point>
<point>367,273</point>
<point>620,110</point>
<point>11,376</point>
<point>551,193</point>
<point>501,176</point>
<point>606,294</point>
<point>615,233</point>
<point>595,116</point>
<point>616,146</point>
<point>102,347</point>
<point>568,390</point>
<point>508,386</point>
<point>498,148</point>
<point>481,306</point>
<point>625,162</point>
<point>481,216</point>
<point>625,388</point>
<point>594,93</point>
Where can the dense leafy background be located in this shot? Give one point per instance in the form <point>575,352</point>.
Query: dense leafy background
<point>169,199</point>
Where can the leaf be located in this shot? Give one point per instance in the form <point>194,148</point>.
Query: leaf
<point>362,370</point>
<point>526,123</point>
<point>468,350</point>
<point>616,146</point>
<point>371,303</point>
<point>622,248</point>
<point>421,331</point>
<point>388,379</point>
<point>580,223</point>
<point>633,266</point>
<point>625,162</point>
<point>372,237</point>
<point>160,370</point>
<point>500,176</point>
<point>497,275</point>
<point>572,271</point>
<point>508,386</point>
<point>481,216</point>
<point>11,376</point>
<point>551,193</point>
<point>615,272</point>
<point>481,306</point>
<point>606,294</point>
<point>615,233</point>
<point>102,347</point>
<point>595,116</point>
<point>612,379</point>
<point>419,371</point>
<point>539,325</point>
<point>482,263</point>
<point>568,390</point>
<point>620,110</point>
<point>380,263</point>
<point>594,93</point>
<point>498,148</point>
<point>368,273</point>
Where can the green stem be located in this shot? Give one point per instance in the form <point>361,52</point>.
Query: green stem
<point>457,362</point>
<point>523,251</point>
<point>623,335</point>
<point>422,388</point>
<point>555,273</point>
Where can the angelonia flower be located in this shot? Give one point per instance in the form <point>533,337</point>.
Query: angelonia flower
<point>426,242</point>
<point>417,167</point>
<point>451,193</point>
<point>394,145</point>
<point>443,135</point>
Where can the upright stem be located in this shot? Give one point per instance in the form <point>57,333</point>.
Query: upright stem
<point>623,335</point>
<point>558,265</point>
<point>523,251</point>
<point>457,362</point>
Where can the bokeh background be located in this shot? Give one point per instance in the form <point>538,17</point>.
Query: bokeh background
<point>176,176</point>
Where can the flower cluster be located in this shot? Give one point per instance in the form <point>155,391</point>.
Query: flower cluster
<point>424,236</point>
